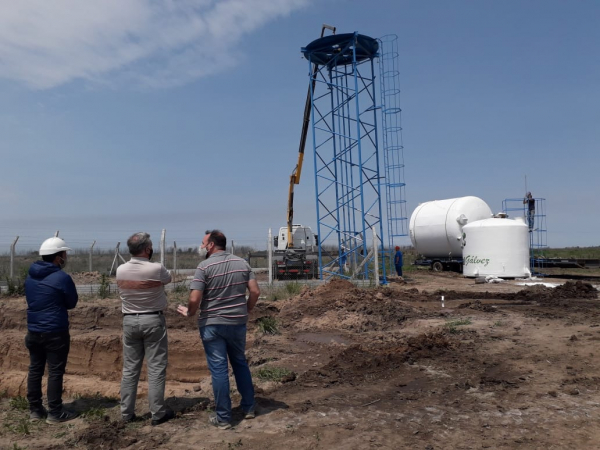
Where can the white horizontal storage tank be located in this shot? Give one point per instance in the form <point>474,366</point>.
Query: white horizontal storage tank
<point>497,247</point>
<point>436,227</point>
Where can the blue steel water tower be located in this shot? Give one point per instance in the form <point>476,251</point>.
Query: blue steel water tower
<point>346,157</point>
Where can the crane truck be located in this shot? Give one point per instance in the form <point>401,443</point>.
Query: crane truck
<point>295,254</point>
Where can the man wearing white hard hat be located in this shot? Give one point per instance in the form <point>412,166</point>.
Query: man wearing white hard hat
<point>50,292</point>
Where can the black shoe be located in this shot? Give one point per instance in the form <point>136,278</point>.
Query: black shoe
<point>38,414</point>
<point>168,416</point>
<point>64,416</point>
<point>133,418</point>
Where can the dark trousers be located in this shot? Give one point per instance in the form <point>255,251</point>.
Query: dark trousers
<point>399,269</point>
<point>51,348</point>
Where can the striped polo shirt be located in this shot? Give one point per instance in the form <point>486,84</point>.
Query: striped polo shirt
<point>223,279</point>
<point>141,285</point>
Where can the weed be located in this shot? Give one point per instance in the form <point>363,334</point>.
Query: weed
<point>273,373</point>
<point>4,394</point>
<point>293,288</point>
<point>283,292</point>
<point>22,426</point>
<point>180,288</point>
<point>17,447</point>
<point>17,426</point>
<point>498,323</point>
<point>453,325</point>
<point>104,289</point>
<point>268,325</point>
<point>235,445</point>
<point>15,286</point>
<point>93,414</point>
<point>19,403</point>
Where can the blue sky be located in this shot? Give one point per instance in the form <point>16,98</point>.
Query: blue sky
<point>119,116</point>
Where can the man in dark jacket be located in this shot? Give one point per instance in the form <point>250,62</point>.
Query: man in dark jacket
<point>50,292</point>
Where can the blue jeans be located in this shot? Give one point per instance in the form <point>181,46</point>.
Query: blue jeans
<point>53,349</point>
<point>221,342</point>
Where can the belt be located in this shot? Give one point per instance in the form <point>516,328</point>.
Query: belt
<point>143,314</point>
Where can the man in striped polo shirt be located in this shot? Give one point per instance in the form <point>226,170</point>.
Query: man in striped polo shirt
<point>141,285</point>
<point>219,289</point>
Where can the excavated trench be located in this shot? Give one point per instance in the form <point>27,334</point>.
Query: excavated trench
<point>95,358</point>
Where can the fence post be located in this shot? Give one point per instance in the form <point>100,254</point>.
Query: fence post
<point>270,256</point>
<point>12,257</point>
<point>232,247</point>
<point>163,235</point>
<point>56,234</point>
<point>116,259</point>
<point>376,256</point>
<point>174,258</point>
<point>91,251</point>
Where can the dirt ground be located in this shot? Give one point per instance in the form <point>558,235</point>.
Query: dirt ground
<point>496,366</point>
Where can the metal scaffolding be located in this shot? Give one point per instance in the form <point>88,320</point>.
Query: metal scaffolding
<point>346,159</point>
<point>538,232</point>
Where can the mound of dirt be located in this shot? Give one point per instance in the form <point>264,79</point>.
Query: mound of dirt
<point>478,306</point>
<point>361,362</point>
<point>559,295</point>
<point>428,345</point>
<point>341,305</point>
<point>356,364</point>
<point>86,277</point>
<point>576,289</point>
<point>537,293</point>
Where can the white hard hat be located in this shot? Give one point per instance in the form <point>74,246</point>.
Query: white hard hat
<point>52,246</point>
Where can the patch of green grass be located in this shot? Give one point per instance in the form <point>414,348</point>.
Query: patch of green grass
<point>268,325</point>
<point>93,413</point>
<point>453,325</point>
<point>19,403</point>
<point>4,394</point>
<point>288,290</point>
<point>293,288</point>
<point>17,447</point>
<point>17,425</point>
<point>273,373</point>
<point>499,323</point>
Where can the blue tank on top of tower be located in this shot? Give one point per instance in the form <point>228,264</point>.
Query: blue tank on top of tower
<point>340,49</point>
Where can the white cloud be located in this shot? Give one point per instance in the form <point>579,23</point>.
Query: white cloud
<point>157,43</point>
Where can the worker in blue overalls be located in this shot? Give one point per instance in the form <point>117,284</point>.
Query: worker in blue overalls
<point>398,261</point>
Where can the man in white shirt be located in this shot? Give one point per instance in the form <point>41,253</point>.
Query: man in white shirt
<point>141,286</point>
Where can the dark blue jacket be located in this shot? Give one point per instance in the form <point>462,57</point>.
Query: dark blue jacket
<point>50,292</point>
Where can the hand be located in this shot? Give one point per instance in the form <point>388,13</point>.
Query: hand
<point>182,310</point>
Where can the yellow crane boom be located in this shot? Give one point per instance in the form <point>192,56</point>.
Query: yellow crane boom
<point>295,177</point>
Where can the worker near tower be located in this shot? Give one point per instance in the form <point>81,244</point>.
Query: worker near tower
<point>50,293</point>
<point>530,202</point>
<point>398,261</point>
<point>219,290</point>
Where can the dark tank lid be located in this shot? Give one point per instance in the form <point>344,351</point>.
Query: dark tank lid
<point>324,50</point>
